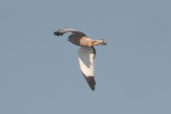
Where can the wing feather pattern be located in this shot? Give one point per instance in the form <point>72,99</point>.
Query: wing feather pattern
<point>60,32</point>
<point>86,57</point>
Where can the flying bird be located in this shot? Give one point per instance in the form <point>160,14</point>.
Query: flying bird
<point>86,54</point>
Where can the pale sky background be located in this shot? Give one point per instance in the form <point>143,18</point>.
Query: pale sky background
<point>39,73</point>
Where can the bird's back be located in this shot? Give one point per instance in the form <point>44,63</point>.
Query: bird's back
<point>78,39</point>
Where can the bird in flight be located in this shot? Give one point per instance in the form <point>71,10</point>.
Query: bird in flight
<point>86,54</point>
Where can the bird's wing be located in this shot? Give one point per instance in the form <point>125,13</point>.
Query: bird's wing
<point>86,61</point>
<point>60,32</point>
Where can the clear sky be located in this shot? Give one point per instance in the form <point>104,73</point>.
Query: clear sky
<point>39,73</point>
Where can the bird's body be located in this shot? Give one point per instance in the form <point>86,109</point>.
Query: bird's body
<point>78,40</point>
<point>86,53</point>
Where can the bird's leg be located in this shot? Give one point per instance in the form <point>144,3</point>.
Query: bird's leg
<point>100,42</point>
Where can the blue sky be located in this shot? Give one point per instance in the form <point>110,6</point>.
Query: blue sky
<point>40,72</point>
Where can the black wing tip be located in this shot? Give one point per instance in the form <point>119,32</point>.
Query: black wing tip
<point>93,89</point>
<point>58,33</point>
<point>91,82</point>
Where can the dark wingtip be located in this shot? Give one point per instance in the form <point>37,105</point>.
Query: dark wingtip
<point>57,33</point>
<point>91,82</point>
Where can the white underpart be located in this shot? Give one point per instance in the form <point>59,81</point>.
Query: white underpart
<point>86,58</point>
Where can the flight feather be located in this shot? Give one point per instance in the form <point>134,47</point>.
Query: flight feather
<point>86,57</point>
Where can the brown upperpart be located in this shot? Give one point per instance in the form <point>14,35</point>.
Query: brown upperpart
<point>84,41</point>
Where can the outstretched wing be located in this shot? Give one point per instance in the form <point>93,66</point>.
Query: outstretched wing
<point>86,57</point>
<point>60,32</point>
